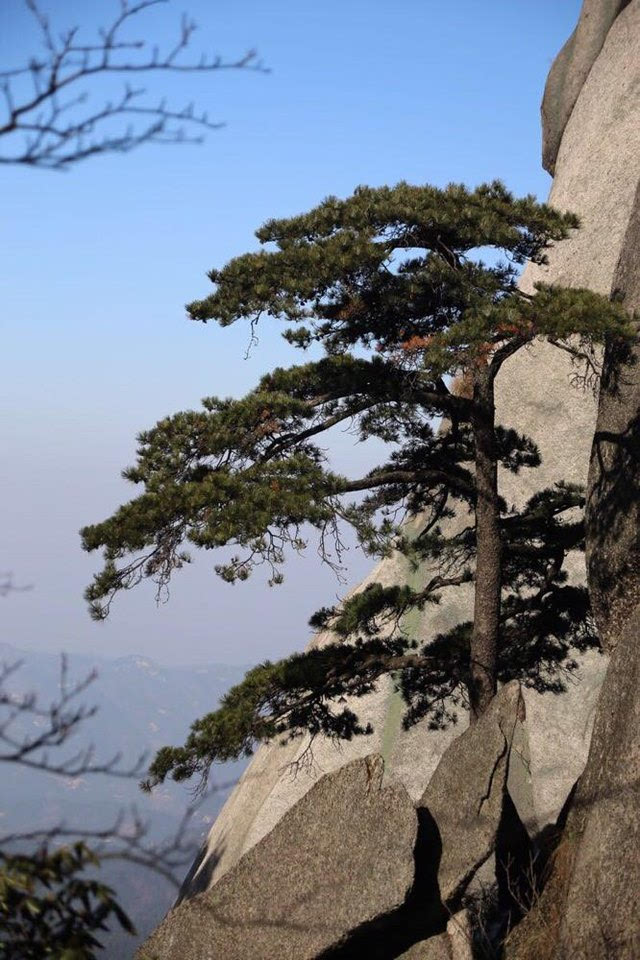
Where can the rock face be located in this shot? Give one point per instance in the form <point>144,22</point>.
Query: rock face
<point>596,886</point>
<point>461,815</point>
<point>613,499</point>
<point>592,117</point>
<point>601,915</point>
<point>342,857</point>
<point>589,908</point>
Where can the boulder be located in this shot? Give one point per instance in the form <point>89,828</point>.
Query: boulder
<point>455,944</point>
<point>553,745</point>
<point>460,935</point>
<point>570,69</point>
<point>435,948</point>
<point>464,800</point>
<point>341,858</point>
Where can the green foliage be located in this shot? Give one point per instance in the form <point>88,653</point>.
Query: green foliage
<point>48,909</point>
<point>401,289</point>
<point>278,698</point>
<point>396,274</point>
<point>543,620</point>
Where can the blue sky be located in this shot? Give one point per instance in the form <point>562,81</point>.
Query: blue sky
<point>98,263</point>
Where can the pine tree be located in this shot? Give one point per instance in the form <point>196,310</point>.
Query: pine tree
<point>391,286</point>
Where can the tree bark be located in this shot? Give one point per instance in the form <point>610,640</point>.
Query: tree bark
<point>488,584</point>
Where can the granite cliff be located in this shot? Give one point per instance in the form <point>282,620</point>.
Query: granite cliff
<point>591,136</point>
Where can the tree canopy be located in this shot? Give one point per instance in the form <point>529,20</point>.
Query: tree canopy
<point>408,298</point>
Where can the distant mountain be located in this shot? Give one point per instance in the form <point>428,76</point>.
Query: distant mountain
<point>142,706</point>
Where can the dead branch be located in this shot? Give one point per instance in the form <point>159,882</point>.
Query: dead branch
<point>50,120</point>
<point>57,723</point>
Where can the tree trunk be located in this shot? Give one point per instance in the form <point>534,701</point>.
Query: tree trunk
<point>486,616</point>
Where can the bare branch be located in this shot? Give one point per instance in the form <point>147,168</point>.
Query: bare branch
<point>57,723</point>
<point>126,838</point>
<point>585,359</point>
<point>34,118</point>
<point>7,585</point>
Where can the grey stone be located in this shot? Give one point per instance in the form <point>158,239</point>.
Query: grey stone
<point>601,916</point>
<point>570,70</point>
<point>460,936</point>
<point>464,798</point>
<point>590,908</point>
<point>341,857</point>
<point>435,948</point>
<point>602,911</point>
<point>596,175</point>
<point>553,745</point>
<point>613,497</point>
<point>454,944</point>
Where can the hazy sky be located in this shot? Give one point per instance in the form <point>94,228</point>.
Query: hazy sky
<point>98,262</point>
